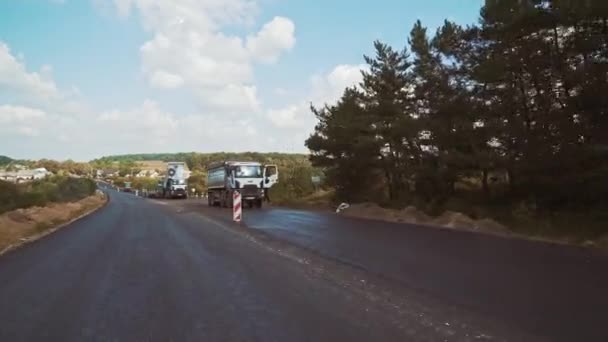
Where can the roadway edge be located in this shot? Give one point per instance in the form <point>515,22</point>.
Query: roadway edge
<point>52,230</point>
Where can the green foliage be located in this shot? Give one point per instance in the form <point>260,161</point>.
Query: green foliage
<point>142,183</point>
<point>294,182</point>
<point>41,192</point>
<point>198,181</point>
<point>194,160</point>
<point>523,94</point>
<point>4,160</point>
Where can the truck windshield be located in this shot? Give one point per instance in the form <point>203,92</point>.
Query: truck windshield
<point>248,171</point>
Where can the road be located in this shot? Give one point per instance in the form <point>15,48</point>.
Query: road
<point>550,290</point>
<point>141,270</point>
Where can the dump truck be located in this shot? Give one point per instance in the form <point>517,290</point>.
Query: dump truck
<point>251,179</point>
<point>174,184</point>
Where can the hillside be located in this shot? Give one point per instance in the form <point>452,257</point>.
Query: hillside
<point>4,160</point>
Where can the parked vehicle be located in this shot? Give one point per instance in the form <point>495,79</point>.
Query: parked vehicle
<point>251,179</point>
<point>174,185</point>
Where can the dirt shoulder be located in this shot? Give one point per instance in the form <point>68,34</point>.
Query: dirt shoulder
<point>21,226</point>
<point>457,221</point>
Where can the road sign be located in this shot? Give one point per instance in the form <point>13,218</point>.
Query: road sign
<point>237,209</point>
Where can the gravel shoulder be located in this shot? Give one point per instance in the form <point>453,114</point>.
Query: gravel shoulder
<point>22,226</point>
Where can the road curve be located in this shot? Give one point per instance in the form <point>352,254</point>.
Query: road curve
<point>140,271</point>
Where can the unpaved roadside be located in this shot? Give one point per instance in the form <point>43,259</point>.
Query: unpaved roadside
<point>21,226</point>
<point>459,221</point>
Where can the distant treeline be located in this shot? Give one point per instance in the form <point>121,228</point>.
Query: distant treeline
<point>4,160</point>
<point>198,161</point>
<point>514,107</point>
<point>295,170</point>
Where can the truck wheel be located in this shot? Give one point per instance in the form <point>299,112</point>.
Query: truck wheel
<point>225,200</point>
<point>258,203</point>
<point>249,204</point>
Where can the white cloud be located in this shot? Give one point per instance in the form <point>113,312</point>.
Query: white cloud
<point>231,99</point>
<point>11,114</point>
<point>329,88</point>
<point>21,120</point>
<point>190,49</point>
<point>30,86</point>
<point>287,117</point>
<point>275,37</point>
<point>326,88</point>
<point>163,79</point>
<point>146,123</point>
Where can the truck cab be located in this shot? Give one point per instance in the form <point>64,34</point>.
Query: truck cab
<point>174,184</point>
<point>251,179</point>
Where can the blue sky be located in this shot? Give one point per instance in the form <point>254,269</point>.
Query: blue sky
<point>129,76</point>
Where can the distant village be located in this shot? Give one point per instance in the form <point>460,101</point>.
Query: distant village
<point>148,169</point>
<point>18,173</point>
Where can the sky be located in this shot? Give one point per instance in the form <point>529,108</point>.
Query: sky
<point>80,79</point>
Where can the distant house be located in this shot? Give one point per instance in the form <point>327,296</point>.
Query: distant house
<point>40,173</point>
<point>24,175</point>
<point>8,176</point>
<point>156,169</point>
<point>147,173</point>
<point>106,173</point>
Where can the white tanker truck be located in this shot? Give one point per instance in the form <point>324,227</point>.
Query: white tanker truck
<point>174,185</point>
<point>251,179</point>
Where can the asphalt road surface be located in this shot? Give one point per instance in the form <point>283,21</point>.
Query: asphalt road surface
<point>554,291</point>
<point>142,270</point>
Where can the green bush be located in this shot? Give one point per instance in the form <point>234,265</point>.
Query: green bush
<point>32,199</point>
<point>41,192</point>
<point>8,196</point>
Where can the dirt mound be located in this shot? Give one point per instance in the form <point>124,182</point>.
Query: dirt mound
<point>491,225</point>
<point>374,211</point>
<point>412,215</point>
<point>370,211</point>
<point>452,219</point>
<point>448,219</point>
<point>602,242</point>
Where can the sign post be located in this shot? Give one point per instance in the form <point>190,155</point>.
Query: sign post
<point>237,209</point>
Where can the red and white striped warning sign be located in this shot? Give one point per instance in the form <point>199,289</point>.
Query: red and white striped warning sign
<point>237,208</point>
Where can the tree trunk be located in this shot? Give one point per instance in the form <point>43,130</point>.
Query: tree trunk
<point>511,179</point>
<point>484,183</point>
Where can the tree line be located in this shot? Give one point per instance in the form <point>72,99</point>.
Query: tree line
<point>295,170</point>
<point>517,104</point>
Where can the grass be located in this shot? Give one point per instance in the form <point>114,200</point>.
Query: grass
<point>41,220</point>
<point>321,199</point>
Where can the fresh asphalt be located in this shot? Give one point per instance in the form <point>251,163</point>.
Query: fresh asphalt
<point>559,292</point>
<point>143,270</point>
